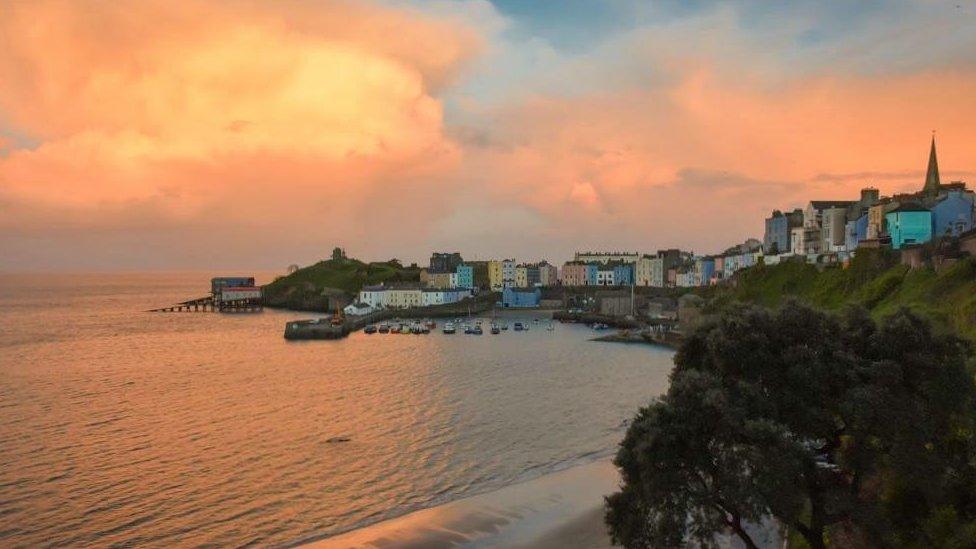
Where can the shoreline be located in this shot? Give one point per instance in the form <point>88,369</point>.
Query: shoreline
<point>561,509</point>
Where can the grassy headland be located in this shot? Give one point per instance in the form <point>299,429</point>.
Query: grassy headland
<point>874,279</point>
<point>309,288</point>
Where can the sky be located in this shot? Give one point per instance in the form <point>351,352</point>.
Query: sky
<point>219,134</point>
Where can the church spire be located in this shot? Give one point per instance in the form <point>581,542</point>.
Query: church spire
<point>932,174</point>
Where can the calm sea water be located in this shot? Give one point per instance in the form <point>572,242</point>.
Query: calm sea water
<point>124,427</point>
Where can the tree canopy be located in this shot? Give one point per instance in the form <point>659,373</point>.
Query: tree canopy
<point>841,428</point>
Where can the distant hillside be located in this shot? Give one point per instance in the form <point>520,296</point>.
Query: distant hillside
<point>309,288</point>
<point>874,280</point>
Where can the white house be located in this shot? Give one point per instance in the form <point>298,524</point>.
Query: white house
<point>374,296</point>
<point>604,277</point>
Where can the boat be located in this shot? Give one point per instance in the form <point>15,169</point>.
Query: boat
<point>600,326</point>
<point>384,328</point>
<point>550,327</point>
<point>370,329</point>
<point>448,328</point>
<point>395,329</point>
<point>495,330</point>
<point>468,329</point>
<point>519,327</point>
<point>477,330</point>
<point>505,326</point>
<point>431,325</point>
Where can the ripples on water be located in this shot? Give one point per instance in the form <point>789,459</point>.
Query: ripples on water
<point>123,427</point>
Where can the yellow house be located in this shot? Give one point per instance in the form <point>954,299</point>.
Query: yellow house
<point>401,298</point>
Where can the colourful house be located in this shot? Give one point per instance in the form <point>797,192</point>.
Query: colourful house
<point>521,298</point>
<point>910,223</point>
<point>592,271</point>
<point>465,276</point>
<point>623,274</point>
<point>953,215</point>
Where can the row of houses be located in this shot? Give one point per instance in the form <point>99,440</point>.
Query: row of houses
<point>837,228</point>
<point>374,298</point>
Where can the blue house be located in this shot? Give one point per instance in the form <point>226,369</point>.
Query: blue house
<point>705,269</point>
<point>465,276</point>
<point>591,273</point>
<point>857,230</point>
<point>953,215</point>
<point>521,298</point>
<point>909,224</point>
<point>623,274</point>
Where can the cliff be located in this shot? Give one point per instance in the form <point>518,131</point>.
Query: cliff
<point>874,280</point>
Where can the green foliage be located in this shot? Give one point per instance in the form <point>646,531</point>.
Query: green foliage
<point>837,426</point>
<point>305,287</point>
<point>873,280</point>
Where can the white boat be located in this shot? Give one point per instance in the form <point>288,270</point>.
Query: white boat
<point>448,328</point>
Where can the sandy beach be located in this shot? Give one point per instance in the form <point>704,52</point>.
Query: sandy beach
<point>561,510</point>
<point>564,509</point>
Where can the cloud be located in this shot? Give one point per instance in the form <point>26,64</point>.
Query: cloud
<point>164,134</point>
<point>204,114</point>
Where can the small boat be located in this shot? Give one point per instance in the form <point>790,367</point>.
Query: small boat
<point>505,326</point>
<point>495,330</point>
<point>431,325</point>
<point>384,328</point>
<point>468,329</point>
<point>370,329</point>
<point>448,328</point>
<point>394,329</point>
<point>477,330</point>
<point>519,327</point>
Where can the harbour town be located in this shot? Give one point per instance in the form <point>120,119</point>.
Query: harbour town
<point>547,274</point>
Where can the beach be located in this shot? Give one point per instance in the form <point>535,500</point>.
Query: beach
<point>559,510</point>
<point>562,509</point>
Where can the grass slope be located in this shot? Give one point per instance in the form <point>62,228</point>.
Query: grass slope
<point>308,288</point>
<point>873,280</point>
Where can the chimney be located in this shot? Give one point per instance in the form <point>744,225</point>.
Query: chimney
<point>869,196</point>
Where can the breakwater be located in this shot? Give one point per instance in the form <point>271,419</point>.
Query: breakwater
<point>323,329</point>
<point>594,318</point>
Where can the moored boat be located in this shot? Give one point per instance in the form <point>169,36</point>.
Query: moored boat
<point>370,329</point>
<point>519,327</point>
<point>448,328</point>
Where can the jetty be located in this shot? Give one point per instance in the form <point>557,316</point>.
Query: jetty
<point>227,295</point>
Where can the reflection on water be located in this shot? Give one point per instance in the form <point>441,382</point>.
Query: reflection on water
<point>128,427</point>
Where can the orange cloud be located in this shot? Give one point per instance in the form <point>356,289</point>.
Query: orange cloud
<point>131,102</point>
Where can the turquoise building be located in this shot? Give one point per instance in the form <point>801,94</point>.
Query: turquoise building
<point>465,276</point>
<point>909,224</point>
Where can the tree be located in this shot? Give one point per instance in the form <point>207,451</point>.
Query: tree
<point>827,423</point>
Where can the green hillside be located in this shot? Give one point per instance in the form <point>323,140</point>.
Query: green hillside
<point>309,288</point>
<point>874,280</point>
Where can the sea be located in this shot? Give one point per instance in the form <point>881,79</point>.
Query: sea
<point>123,427</point>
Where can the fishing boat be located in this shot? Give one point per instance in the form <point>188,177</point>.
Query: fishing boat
<point>370,329</point>
<point>448,328</point>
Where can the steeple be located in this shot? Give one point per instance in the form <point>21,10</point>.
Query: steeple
<point>932,174</point>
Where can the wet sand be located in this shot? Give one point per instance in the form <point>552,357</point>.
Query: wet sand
<point>564,509</point>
